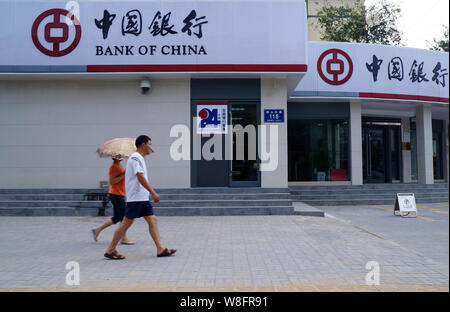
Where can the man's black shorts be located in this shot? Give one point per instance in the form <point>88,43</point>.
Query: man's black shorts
<point>138,209</point>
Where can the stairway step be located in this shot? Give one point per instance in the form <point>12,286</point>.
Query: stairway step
<point>363,196</point>
<point>53,203</point>
<point>224,211</point>
<point>160,211</point>
<point>164,197</point>
<point>203,190</point>
<point>49,211</point>
<point>364,191</point>
<point>349,202</point>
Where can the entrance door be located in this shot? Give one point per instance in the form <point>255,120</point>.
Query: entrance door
<point>374,155</point>
<point>244,165</point>
<point>242,168</point>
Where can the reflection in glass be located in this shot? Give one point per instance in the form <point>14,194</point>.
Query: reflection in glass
<point>317,150</point>
<point>245,169</point>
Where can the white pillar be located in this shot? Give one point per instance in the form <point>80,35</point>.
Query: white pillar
<point>406,153</point>
<point>445,152</point>
<point>273,96</point>
<point>424,144</point>
<point>356,143</point>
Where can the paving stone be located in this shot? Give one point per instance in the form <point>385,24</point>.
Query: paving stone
<point>271,253</point>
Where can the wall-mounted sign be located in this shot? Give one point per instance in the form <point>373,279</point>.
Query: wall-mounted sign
<point>212,117</point>
<point>153,35</point>
<point>274,115</point>
<point>338,69</point>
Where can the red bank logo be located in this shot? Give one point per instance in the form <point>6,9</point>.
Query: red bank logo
<point>56,32</point>
<point>338,66</point>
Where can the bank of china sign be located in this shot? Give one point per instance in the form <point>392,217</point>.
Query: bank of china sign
<point>375,71</point>
<point>155,35</point>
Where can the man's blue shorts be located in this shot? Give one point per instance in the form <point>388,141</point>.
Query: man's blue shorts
<point>138,209</point>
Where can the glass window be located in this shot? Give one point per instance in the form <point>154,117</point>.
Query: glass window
<point>318,150</point>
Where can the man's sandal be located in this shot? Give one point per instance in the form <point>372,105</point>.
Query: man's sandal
<point>167,252</point>
<point>114,255</point>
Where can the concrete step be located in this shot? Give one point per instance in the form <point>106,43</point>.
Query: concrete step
<point>370,187</point>
<point>49,211</point>
<point>365,196</point>
<point>224,211</point>
<point>194,201</point>
<point>172,203</point>
<point>366,191</point>
<point>349,202</point>
<point>203,190</point>
<point>159,211</point>
<point>53,203</point>
<point>303,209</point>
<point>164,197</point>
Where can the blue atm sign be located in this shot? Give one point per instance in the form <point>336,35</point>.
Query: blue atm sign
<point>274,115</point>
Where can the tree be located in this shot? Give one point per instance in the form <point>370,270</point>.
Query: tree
<point>376,24</point>
<point>441,45</point>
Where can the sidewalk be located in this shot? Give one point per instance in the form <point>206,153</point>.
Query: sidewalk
<point>227,253</point>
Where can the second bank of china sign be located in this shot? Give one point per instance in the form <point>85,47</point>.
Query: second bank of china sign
<point>154,32</point>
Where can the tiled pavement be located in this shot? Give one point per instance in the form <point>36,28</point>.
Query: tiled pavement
<point>226,253</point>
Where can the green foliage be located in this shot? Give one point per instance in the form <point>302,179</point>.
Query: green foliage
<point>376,24</point>
<point>442,44</point>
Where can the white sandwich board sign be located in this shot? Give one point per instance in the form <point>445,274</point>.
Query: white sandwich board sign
<point>405,205</point>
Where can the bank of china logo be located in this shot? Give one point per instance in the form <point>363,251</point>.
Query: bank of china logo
<point>335,67</point>
<point>56,32</point>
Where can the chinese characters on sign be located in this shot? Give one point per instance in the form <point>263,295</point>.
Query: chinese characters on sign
<point>416,73</point>
<point>439,73</point>
<point>159,26</point>
<point>105,23</point>
<point>395,69</point>
<point>374,67</point>
<point>133,23</point>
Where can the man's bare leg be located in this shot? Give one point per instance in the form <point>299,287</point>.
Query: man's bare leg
<point>118,234</point>
<point>106,224</point>
<point>154,232</point>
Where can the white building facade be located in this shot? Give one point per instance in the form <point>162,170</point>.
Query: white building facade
<point>322,112</point>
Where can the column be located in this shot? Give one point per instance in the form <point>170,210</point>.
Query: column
<point>424,144</point>
<point>273,95</point>
<point>356,143</point>
<point>406,150</point>
<point>445,152</point>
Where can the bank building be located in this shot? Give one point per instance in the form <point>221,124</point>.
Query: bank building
<point>244,111</point>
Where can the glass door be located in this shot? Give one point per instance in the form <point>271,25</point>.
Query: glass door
<point>374,158</point>
<point>245,164</point>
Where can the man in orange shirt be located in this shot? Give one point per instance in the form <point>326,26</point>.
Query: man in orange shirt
<point>117,196</point>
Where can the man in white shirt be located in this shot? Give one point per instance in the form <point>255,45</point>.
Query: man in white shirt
<point>138,204</point>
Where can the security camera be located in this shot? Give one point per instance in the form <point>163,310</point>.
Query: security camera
<point>145,86</point>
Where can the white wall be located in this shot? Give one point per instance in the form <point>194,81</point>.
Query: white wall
<point>50,130</point>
